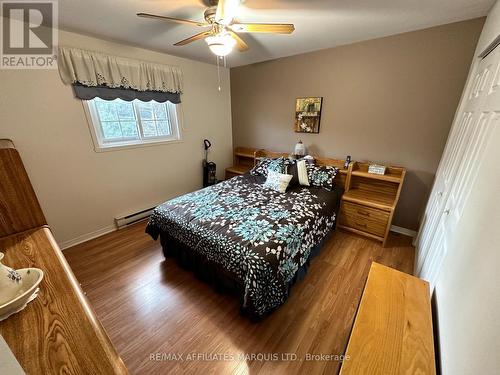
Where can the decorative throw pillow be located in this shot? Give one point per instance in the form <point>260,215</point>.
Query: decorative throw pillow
<point>266,164</point>
<point>277,181</point>
<point>288,165</point>
<point>321,175</point>
<point>299,166</point>
<point>302,169</point>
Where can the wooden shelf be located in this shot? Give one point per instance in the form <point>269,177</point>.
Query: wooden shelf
<point>390,177</point>
<point>238,169</point>
<point>243,161</point>
<point>244,154</point>
<point>373,199</point>
<point>392,174</point>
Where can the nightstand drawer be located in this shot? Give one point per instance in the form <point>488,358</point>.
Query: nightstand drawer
<point>353,209</point>
<point>363,218</point>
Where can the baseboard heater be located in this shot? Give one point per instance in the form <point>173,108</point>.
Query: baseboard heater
<point>127,220</point>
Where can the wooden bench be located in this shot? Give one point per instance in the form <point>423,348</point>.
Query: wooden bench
<point>392,333</point>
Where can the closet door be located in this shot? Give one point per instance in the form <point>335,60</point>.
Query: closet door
<point>479,113</point>
<point>444,178</point>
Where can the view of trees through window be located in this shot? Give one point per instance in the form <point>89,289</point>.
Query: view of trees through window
<point>121,120</point>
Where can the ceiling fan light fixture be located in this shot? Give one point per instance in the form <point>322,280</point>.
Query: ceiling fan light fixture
<point>220,44</point>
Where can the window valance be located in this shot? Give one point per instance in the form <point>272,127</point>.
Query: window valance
<point>96,70</point>
<point>106,93</point>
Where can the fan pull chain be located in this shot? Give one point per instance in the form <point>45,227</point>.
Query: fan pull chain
<point>218,72</point>
<point>224,61</point>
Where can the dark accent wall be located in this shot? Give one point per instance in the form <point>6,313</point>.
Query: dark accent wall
<point>391,100</point>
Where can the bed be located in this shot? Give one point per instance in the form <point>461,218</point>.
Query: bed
<point>243,236</point>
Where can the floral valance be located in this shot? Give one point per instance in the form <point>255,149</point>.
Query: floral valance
<point>92,69</point>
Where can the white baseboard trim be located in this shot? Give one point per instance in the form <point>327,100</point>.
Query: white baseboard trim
<point>111,228</point>
<point>87,236</point>
<point>405,231</point>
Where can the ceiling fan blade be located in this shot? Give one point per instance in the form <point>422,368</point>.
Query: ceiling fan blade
<point>240,43</point>
<point>193,38</point>
<point>172,19</point>
<point>276,28</point>
<point>226,11</point>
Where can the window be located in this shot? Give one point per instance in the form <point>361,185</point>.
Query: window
<point>118,123</point>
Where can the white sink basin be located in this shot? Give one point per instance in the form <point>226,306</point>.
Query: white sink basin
<point>31,278</point>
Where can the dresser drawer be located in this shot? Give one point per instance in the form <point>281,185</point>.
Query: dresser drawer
<point>364,218</point>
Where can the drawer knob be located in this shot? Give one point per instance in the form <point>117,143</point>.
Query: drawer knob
<point>364,213</point>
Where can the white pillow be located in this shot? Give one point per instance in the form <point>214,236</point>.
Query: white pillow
<point>277,181</point>
<point>302,173</point>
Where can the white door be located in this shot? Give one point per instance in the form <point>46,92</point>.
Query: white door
<point>479,114</point>
<point>444,178</point>
<point>448,168</point>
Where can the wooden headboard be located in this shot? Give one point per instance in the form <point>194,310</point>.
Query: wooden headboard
<point>341,177</point>
<point>19,207</point>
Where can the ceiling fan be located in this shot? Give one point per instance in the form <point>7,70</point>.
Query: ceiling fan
<point>222,36</point>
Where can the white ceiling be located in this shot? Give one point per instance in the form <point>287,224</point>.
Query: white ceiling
<point>318,23</point>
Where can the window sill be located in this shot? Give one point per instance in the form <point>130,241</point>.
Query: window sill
<point>123,146</point>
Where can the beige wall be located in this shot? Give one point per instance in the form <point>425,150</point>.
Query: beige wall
<point>390,100</point>
<point>81,191</point>
<point>467,289</point>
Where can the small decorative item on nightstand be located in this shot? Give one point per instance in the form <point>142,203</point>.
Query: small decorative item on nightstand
<point>376,169</point>
<point>300,150</point>
<point>347,161</point>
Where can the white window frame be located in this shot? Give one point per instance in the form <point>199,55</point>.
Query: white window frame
<point>100,145</point>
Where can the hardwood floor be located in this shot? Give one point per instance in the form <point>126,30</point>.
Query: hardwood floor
<point>151,306</point>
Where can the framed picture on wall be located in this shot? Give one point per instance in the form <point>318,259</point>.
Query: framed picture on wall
<point>308,114</point>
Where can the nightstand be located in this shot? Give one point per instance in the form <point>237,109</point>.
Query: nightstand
<point>370,200</point>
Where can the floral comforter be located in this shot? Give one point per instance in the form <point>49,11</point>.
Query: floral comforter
<point>261,237</point>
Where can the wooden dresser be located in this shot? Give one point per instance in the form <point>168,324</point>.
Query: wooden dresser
<point>58,332</point>
<point>369,201</point>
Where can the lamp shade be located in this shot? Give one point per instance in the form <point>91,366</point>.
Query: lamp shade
<point>300,149</point>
